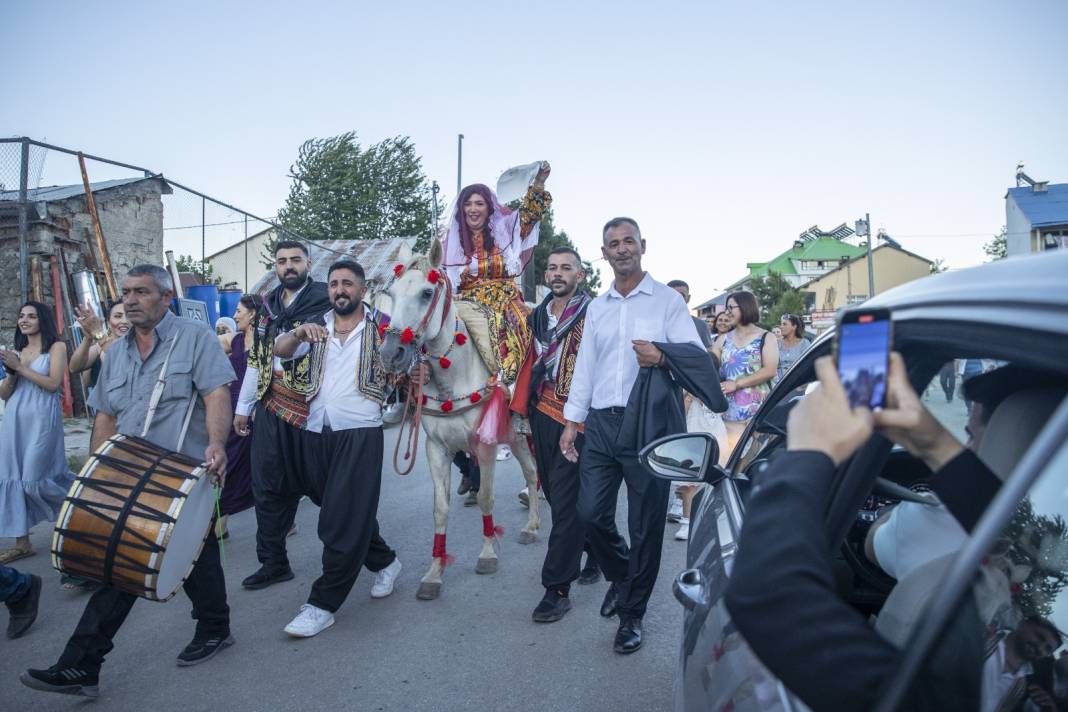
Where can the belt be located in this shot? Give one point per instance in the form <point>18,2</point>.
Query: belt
<point>612,410</point>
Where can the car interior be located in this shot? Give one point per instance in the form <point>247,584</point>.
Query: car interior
<point>880,475</point>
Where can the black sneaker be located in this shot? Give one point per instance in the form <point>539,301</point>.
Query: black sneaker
<point>202,649</point>
<point>552,607</point>
<point>24,610</point>
<point>589,575</point>
<point>65,681</point>
<point>265,577</point>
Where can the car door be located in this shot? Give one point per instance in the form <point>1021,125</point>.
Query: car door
<point>717,669</point>
<point>1013,572</point>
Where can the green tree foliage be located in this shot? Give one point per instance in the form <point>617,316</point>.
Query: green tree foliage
<point>776,297</point>
<point>1040,541</point>
<point>939,265</point>
<point>997,248</point>
<point>343,191</point>
<point>204,270</point>
<point>548,240</point>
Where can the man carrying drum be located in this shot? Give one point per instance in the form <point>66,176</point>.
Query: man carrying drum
<point>197,377</point>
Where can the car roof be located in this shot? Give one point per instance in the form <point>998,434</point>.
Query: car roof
<point>1029,291</point>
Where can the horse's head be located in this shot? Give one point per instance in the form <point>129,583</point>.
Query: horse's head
<point>419,294</point>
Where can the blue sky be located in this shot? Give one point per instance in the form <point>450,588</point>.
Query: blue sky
<point>725,128</point>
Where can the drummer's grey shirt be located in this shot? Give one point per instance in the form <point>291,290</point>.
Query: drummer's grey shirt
<point>198,365</point>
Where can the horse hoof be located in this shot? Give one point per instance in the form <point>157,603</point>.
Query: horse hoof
<point>486,566</point>
<point>428,591</point>
<point>526,537</point>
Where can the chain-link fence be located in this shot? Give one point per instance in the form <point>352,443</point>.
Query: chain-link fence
<point>60,239</point>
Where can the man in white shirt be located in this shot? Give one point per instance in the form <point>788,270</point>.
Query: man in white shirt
<point>341,447</point>
<point>620,328</point>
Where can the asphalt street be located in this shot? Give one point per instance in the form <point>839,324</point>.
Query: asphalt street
<point>475,648</point>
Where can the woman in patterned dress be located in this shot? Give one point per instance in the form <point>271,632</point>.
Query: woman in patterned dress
<point>748,360</point>
<point>485,250</point>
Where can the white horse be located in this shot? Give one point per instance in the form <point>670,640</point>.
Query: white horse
<point>424,320</point>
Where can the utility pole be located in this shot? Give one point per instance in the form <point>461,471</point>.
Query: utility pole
<point>871,265</point>
<point>459,162</point>
<point>863,229</point>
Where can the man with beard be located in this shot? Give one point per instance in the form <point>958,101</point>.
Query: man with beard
<point>341,447</point>
<point>1009,668</point>
<point>620,328</point>
<point>556,325</point>
<point>278,391</point>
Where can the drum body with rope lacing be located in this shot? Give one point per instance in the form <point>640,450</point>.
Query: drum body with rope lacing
<point>135,518</point>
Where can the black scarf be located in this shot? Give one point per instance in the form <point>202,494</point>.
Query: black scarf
<point>274,318</point>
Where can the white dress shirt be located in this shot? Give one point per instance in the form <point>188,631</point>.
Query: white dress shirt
<point>339,403</point>
<point>607,365</point>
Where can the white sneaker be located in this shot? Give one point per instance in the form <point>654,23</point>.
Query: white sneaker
<point>683,532</point>
<point>384,579</point>
<point>310,621</point>
<point>675,510</point>
<point>524,497</point>
<point>503,453</point>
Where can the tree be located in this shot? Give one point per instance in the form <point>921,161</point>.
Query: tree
<point>769,290</point>
<point>997,248</point>
<point>342,191</point>
<point>939,265</point>
<point>790,302</point>
<point>548,240</point>
<point>204,270</point>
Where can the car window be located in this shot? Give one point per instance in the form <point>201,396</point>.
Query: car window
<point>944,395</point>
<point>1020,598</point>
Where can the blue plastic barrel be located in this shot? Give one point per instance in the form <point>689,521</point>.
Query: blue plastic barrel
<point>228,301</point>
<point>209,294</point>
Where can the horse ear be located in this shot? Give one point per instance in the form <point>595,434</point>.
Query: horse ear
<point>435,254</point>
<point>404,252</point>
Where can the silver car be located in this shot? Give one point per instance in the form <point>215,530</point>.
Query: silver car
<point>1014,562</point>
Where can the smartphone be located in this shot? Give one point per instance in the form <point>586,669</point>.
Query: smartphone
<point>862,348</point>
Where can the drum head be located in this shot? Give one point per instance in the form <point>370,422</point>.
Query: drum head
<point>188,536</point>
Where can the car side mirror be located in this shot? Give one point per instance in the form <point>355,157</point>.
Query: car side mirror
<point>684,457</point>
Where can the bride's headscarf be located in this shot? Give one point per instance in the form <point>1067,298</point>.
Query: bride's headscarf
<point>502,229</point>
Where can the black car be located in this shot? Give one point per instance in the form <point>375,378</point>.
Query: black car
<point>948,327</point>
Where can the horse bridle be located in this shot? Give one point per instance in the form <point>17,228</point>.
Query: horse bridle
<point>442,286</point>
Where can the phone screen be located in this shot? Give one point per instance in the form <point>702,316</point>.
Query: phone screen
<point>863,354</point>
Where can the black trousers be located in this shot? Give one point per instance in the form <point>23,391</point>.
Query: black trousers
<point>603,467</point>
<point>468,468</point>
<point>947,378</point>
<point>276,453</point>
<point>341,471</point>
<point>108,607</point>
<point>560,482</point>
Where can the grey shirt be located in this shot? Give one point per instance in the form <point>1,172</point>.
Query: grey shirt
<point>198,365</point>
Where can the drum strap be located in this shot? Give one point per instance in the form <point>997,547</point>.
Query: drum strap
<point>157,393</point>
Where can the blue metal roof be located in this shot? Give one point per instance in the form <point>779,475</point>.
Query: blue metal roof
<point>1043,209</point>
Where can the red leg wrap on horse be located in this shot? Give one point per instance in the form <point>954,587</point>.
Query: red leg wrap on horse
<point>487,527</point>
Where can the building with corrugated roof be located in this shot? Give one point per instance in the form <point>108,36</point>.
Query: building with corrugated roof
<point>1036,216</point>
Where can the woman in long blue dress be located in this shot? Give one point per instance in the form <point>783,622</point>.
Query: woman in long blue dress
<point>34,475</point>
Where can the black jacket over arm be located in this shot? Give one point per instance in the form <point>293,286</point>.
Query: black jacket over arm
<point>654,408</point>
<point>782,599</point>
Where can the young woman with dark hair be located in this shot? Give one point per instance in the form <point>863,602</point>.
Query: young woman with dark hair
<point>97,337</point>
<point>237,489</point>
<point>748,361</point>
<point>792,344</point>
<point>34,476</point>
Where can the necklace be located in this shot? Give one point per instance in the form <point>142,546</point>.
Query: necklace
<point>339,332</point>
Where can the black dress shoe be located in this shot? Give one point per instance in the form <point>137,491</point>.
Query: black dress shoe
<point>589,575</point>
<point>629,636</point>
<point>611,599</point>
<point>465,485</point>
<point>24,610</point>
<point>201,649</point>
<point>265,577</point>
<point>553,606</point>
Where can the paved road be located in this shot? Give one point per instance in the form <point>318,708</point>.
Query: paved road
<point>473,649</point>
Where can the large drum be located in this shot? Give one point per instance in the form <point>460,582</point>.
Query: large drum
<point>135,518</point>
